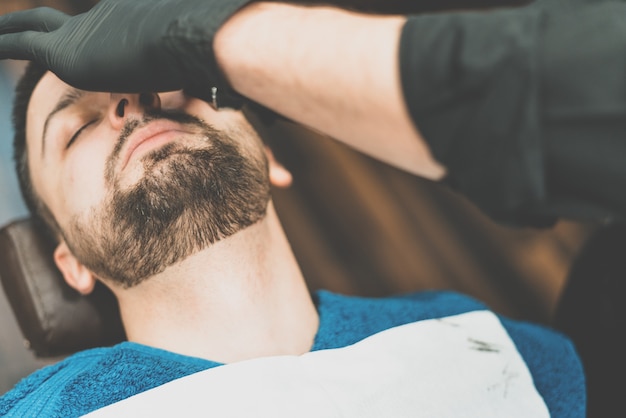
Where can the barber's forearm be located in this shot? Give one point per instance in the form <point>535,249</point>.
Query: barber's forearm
<point>333,70</point>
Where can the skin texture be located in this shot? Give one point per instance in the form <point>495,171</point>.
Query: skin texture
<point>333,70</point>
<point>241,297</point>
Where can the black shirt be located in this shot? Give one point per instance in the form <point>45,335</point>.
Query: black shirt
<point>526,107</point>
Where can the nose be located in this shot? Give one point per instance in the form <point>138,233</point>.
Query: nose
<point>123,107</point>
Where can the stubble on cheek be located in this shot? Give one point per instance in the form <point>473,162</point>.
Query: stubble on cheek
<point>186,200</point>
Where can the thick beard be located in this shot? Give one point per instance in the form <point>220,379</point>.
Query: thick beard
<point>188,199</point>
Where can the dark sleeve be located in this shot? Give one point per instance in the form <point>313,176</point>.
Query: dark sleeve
<point>497,94</point>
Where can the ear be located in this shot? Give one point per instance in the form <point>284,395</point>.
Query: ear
<point>75,274</point>
<point>279,175</point>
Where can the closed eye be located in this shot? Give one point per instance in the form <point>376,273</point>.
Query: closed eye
<point>78,132</point>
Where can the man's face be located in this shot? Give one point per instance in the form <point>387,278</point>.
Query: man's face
<point>140,182</point>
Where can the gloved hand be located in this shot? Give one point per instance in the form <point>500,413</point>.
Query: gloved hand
<point>127,46</point>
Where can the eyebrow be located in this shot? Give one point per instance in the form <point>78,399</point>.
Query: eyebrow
<point>68,99</point>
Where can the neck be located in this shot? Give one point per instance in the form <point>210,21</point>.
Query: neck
<point>243,297</point>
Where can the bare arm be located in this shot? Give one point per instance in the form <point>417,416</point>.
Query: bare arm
<point>333,70</point>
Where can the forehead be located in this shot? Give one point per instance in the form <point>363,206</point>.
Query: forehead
<point>43,100</point>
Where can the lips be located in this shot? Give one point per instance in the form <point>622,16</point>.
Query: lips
<point>154,134</point>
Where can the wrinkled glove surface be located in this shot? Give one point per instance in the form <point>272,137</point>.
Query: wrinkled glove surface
<point>127,46</point>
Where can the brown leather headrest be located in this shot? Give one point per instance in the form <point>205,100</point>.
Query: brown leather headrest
<point>55,319</point>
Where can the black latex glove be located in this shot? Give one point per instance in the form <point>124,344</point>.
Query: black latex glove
<point>129,46</point>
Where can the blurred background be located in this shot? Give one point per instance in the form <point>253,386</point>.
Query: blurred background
<point>356,225</point>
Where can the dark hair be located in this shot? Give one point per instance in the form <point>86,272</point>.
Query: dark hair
<point>23,92</point>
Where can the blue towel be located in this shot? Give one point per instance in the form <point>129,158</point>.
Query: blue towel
<point>95,378</point>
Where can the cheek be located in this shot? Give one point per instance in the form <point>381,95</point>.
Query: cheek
<point>222,120</point>
<point>82,180</point>
<point>173,100</point>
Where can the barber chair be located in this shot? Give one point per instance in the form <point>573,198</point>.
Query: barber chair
<point>54,319</point>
